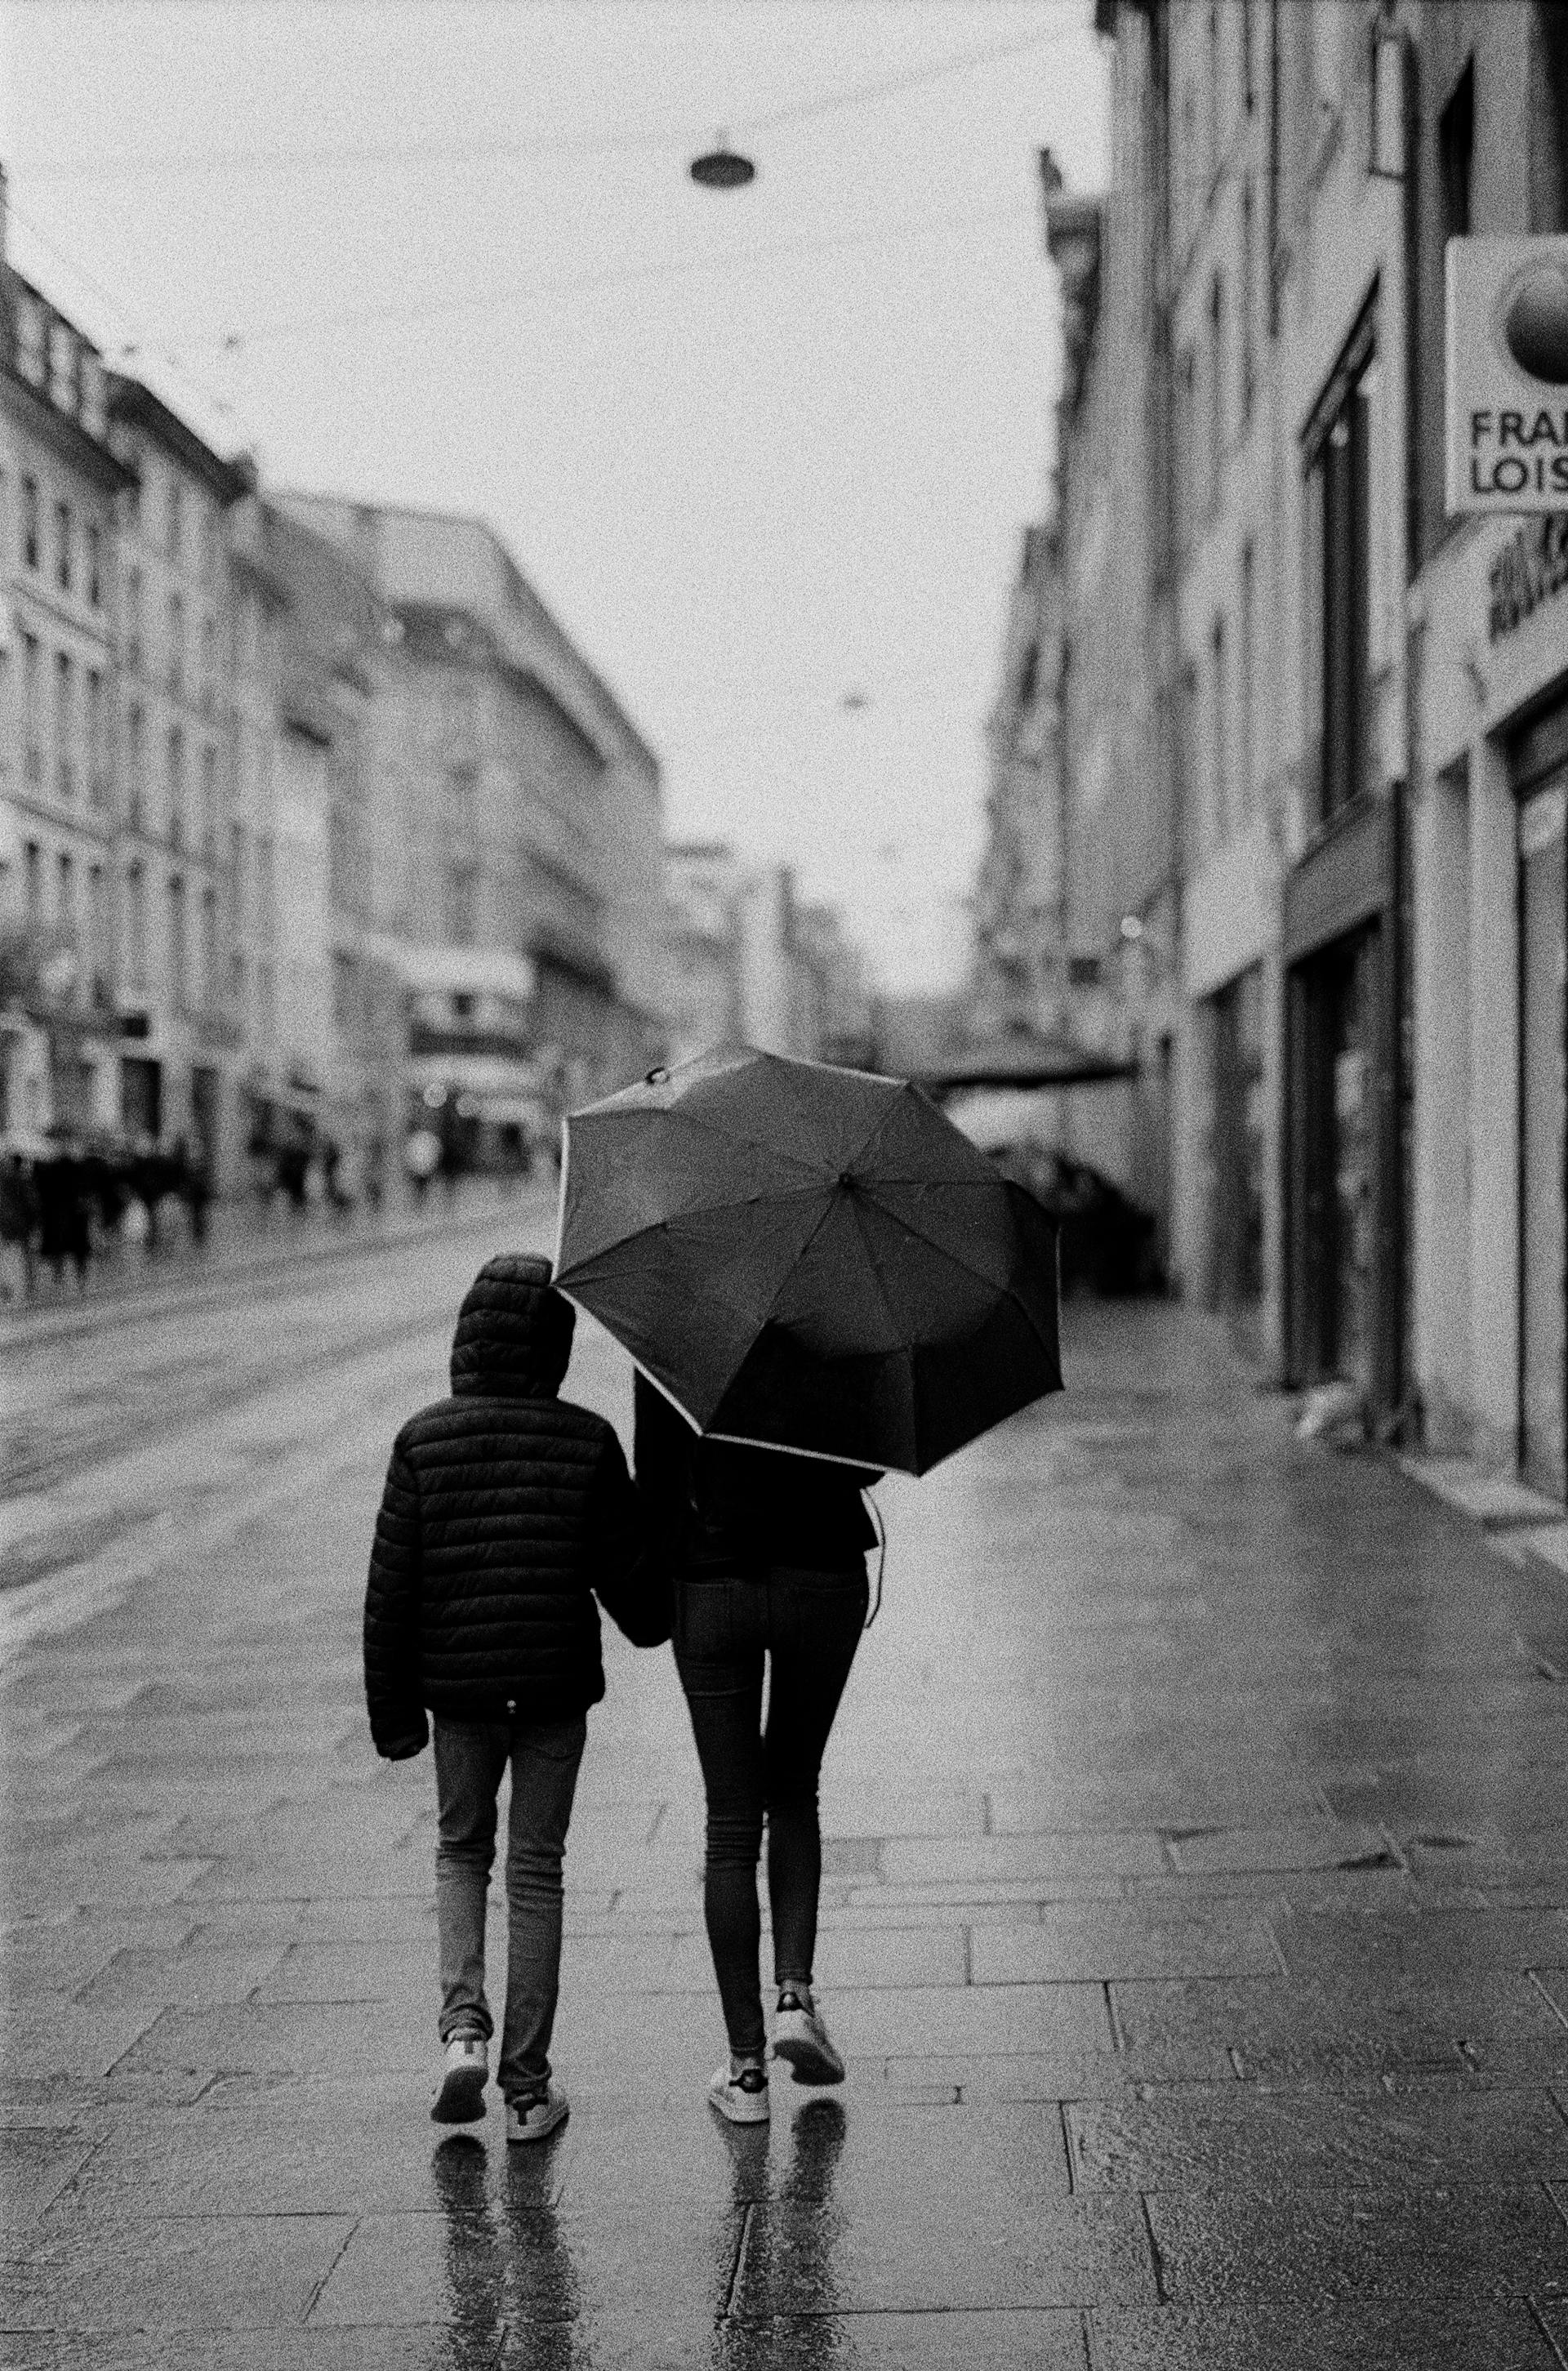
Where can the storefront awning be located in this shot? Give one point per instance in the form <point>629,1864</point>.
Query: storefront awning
<point>1029,1062</point>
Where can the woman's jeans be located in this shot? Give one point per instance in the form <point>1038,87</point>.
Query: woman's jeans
<point>471,1756</point>
<point>810,1624</point>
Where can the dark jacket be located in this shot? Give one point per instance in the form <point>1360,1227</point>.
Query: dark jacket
<point>714,1507</point>
<point>506,1508</point>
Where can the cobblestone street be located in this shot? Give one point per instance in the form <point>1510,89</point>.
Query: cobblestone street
<point>1195,1924</point>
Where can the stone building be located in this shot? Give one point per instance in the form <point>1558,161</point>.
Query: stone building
<point>516,814</point>
<point>1019,981</point>
<point>749,962</point>
<point>58,482</point>
<point>175,729</point>
<point>1487,669</point>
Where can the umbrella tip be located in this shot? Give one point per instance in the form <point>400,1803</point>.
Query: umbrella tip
<point>657,1075</point>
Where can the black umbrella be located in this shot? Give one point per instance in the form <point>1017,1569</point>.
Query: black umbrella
<point>809,1258</point>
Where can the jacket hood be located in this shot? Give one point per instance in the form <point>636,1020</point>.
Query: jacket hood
<point>514,1331</point>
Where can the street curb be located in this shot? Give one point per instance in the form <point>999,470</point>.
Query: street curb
<point>192,1284</point>
<point>1520,1524</point>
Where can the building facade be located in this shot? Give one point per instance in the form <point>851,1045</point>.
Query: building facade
<point>516,812</point>
<point>175,728</point>
<point>1342,910</point>
<point>60,480</point>
<point>749,962</point>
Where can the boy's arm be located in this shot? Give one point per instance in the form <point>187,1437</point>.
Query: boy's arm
<point>631,1580</point>
<point>397,1722</point>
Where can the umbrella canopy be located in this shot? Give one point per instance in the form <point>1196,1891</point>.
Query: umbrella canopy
<point>809,1258</point>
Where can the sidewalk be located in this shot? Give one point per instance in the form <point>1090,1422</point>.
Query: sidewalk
<point>244,1241</point>
<point>1195,1926</point>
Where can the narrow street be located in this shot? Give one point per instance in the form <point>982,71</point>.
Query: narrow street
<point>1194,1910</point>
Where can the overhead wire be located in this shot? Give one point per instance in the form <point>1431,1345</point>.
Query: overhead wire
<point>542,144</point>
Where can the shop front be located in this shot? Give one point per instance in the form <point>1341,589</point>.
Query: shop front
<point>1343,1281</point>
<point>1539,772</point>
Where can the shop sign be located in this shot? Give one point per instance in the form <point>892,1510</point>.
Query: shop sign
<point>1531,567</point>
<point>1506,374</point>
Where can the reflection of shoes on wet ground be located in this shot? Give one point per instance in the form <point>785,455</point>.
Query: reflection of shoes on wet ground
<point>743,2096</point>
<point>536,2119</point>
<point>800,2039</point>
<point>460,2094</point>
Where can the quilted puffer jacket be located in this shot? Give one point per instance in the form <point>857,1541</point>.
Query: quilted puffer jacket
<point>506,1508</point>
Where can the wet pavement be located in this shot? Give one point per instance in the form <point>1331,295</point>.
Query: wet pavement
<point>1195,1906</point>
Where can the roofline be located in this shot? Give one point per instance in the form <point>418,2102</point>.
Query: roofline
<point>134,399</point>
<point>474,519</point>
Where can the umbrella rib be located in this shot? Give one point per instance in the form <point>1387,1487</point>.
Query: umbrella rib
<point>735,1136</point>
<point>702,1210</point>
<point>932,1244</point>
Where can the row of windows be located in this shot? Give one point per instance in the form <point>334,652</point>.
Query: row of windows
<point>58,889</point>
<point>78,705</point>
<point>74,560</point>
<point>172,518</point>
<point>1220,778</point>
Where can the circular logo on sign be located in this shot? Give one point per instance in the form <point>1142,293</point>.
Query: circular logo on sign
<point>1534,321</point>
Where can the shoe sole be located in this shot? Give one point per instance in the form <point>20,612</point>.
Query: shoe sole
<point>461,2099</point>
<point>807,2061</point>
<point>743,2108</point>
<point>522,2135</point>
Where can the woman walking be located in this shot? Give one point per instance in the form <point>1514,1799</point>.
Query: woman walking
<point>767,1553</point>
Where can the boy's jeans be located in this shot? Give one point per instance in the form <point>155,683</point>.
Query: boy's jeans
<point>471,1756</point>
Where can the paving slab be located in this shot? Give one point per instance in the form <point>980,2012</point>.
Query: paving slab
<point>1406,2335</point>
<point>190,2273</point>
<point>994,2341</point>
<point>1101,1942</point>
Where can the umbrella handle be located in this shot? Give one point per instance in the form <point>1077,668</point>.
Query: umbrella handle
<point>875,1512</point>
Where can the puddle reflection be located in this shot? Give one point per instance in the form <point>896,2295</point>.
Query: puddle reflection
<point>508,2273</point>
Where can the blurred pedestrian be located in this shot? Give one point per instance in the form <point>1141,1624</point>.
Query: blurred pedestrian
<point>195,1175</point>
<point>767,1553</point>
<point>18,1227</point>
<point>64,1233</point>
<point>422,1159</point>
<point>506,1511</point>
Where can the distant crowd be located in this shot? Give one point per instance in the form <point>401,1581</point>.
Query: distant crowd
<point>81,1202</point>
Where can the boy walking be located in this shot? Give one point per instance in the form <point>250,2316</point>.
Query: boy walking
<point>506,1510</point>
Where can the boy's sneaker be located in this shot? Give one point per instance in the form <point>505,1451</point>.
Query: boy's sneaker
<point>742,2097</point>
<point>464,2070</point>
<point>535,2118</point>
<point>800,2039</point>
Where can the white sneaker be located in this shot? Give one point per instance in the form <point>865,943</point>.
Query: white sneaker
<point>742,2097</point>
<point>464,2070</point>
<point>535,2120</point>
<point>800,2039</point>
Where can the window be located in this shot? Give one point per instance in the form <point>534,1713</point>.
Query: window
<point>97,770</point>
<point>209,798</point>
<point>1246,666</point>
<point>179,950</point>
<point>1216,455</point>
<point>30,338</point>
<point>173,778</point>
<point>1211,69</point>
<point>173,516</point>
<point>136,923</point>
<point>236,870</point>
<point>1186,449</point>
<point>95,566</point>
<point>176,645</point>
<point>1249,86</point>
<point>136,763</point>
<point>64,726</point>
<point>62,367</point>
<point>264,908</point>
<point>98,955</point>
<point>33,672</point>
<point>1339,512</point>
<point>1549,120</point>
<point>1245,301</point>
<point>1455,155</point>
<point>209,664</point>
<point>1187,752</point>
<point>32,877</point>
<point>1220,737</point>
<point>65,890</point>
<point>30,522</point>
<point>209,986</point>
<point>62,539</point>
<point>133,619</point>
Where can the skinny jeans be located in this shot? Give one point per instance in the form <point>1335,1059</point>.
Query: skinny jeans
<point>806,1625</point>
<point>471,1759</point>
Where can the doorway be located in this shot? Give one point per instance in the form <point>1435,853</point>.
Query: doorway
<point>1543,1094</point>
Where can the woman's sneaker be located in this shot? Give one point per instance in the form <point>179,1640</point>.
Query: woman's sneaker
<point>535,2118</point>
<point>800,2038</point>
<point>742,2097</point>
<point>460,2090</point>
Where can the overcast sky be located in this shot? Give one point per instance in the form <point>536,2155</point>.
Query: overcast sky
<point>756,450</point>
